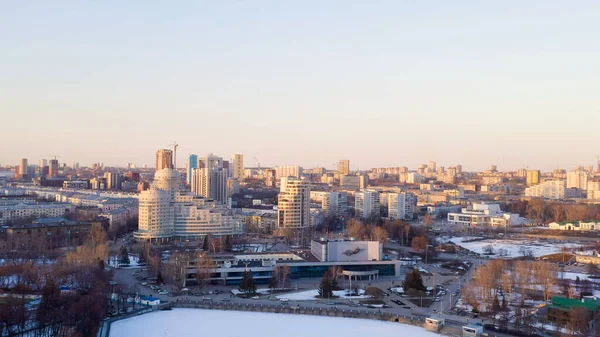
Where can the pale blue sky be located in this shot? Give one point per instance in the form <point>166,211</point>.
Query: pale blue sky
<point>382,83</point>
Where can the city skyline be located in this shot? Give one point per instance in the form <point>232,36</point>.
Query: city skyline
<point>387,84</point>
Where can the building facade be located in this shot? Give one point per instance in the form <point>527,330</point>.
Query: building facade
<point>344,166</point>
<point>402,205</point>
<point>533,177</point>
<point>484,215</point>
<point>552,189</point>
<point>164,159</point>
<point>334,203</point>
<point>192,163</point>
<point>210,179</point>
<point>293,208</point>
<point>366,204</point>
<point>238,166</point>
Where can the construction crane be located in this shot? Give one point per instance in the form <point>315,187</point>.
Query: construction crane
<point>256,159</point>
<point>174,145</point>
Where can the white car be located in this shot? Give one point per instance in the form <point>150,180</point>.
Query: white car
<point>163,292</point>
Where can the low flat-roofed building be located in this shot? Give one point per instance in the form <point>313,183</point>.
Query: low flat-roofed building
<point>484,215</point>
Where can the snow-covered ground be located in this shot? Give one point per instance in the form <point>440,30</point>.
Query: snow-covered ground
<point>115,262</point>
<point>512,248</point>
<point>196,322</point>
<point>310,295</point>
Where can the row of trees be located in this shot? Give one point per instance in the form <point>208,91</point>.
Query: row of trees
<point>398,230</point>
<point>75,310</point>
<point>543,211</point>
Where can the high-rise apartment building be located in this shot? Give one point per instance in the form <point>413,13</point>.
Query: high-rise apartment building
<point>344,166</point>
<point>43,162</point>
<point>402,205</point>
<point>210,179</point>
<point>288,171</point>
<point>334,203</point>
<point>432,166</point>
<point>238,166</point>
<point>23,168</point>
<point>164,159</point>
<point>578,179</point>
<point>156,215</point>
<point>533,177</point>
<point>366,203</point>
<point>293,208</point>
<point>113,180</point>
<point>270,178</point>
<point>53,169</point>
<point>192,163</point>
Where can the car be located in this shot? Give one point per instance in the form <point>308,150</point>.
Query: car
<point>255,297</point>
<point>437,299</point>
<point>225,299</point>
<point>153,287</point>
<point>185,289</point>
<point>163,292</point>
<point>144,283</point>
<point>112,283</point>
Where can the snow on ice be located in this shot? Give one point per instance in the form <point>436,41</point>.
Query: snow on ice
<point>193,322</point>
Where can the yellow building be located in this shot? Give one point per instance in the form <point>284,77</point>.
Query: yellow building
<point>533,177</point>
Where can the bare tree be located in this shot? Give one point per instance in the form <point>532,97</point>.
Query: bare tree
<point>355,228</point>
<point>379,234</point>
<point>544,274</point>
<point>177,268</point>
<point>204,268</point>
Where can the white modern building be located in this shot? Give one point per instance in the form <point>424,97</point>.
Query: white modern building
<point>402,205</point>
<point>293,209</point>
<point>366,204</point>
<point>552,189</point>
<point>484,215</point>
<point>335,203</point>
<point>167,213</point>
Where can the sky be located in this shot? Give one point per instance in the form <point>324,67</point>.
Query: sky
<point>381,83</point>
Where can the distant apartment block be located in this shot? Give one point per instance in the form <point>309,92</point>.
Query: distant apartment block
<point>288,171</point>
<point>402,205</point>
<point>354,182</point>
<point>344,166</point>
<point>366,204</point>
<point>533,177</point>
<point>552,189</point>
<point>335,203</point>
<point>11,213</point>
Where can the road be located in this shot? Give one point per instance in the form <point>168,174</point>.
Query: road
<point>125,279</point>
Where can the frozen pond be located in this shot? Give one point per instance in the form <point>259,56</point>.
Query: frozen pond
<point>199,322</point>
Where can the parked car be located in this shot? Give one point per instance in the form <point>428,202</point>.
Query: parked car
<point>163,292</point>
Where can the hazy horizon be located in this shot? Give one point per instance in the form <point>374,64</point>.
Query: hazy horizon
<point>395,83</point>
